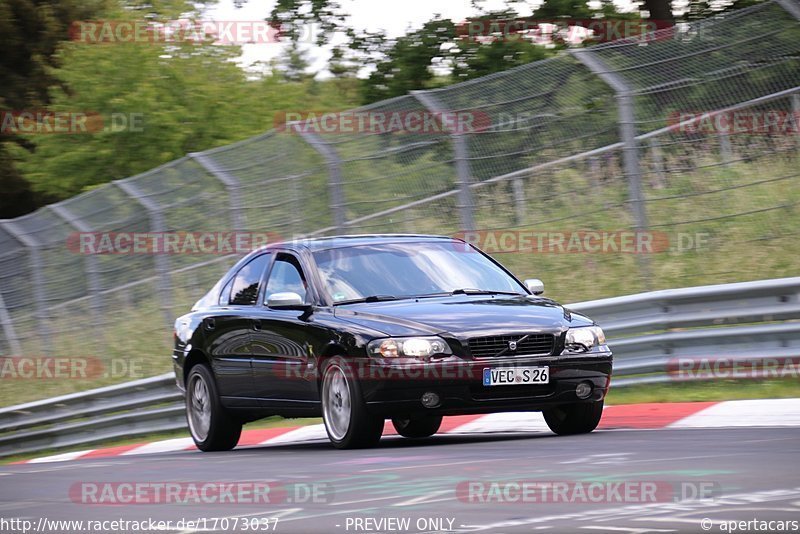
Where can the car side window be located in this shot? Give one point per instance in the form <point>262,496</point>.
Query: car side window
<point>225,294</point>
<point>286,275</point>
<point>247,280</point>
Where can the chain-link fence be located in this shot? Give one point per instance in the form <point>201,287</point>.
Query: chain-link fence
<point>572,154</point>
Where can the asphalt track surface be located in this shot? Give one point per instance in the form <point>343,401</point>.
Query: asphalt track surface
<point>753,472</point>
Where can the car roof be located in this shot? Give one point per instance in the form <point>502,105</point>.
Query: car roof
<point>340,241</point>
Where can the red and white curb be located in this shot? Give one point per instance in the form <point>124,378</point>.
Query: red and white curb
<point>728,414</point>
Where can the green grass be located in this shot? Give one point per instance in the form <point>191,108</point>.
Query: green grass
<point>718,390</point>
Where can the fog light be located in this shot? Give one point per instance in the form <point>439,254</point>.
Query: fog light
<point>430,400</point>
<point>583,390</point>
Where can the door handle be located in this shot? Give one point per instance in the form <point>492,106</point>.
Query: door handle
<point>209,323</point>
<point>256,324</point>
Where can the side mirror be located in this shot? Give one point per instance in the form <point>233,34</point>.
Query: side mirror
<point>287,301</point>
<point>535,286</point>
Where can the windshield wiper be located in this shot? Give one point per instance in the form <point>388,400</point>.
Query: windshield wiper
<point>371,298</point>
<point>470,291</point>
<point>473,291</point>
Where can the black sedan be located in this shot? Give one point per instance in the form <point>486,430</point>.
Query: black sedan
<point>360,329</point>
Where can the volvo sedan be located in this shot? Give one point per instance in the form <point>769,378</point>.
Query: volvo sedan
<point>360,329</point>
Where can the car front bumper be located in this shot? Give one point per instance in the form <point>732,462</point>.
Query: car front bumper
<point>393,391</point>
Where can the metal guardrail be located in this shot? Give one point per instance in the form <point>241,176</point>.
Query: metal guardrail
<point>744,321</point>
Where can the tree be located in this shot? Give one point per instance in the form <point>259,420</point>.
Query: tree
<point>30,33</point>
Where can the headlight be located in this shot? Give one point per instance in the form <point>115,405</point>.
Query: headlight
<point>584,338</point>
<point>408,347</point>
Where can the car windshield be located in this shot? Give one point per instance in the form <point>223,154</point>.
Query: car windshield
<point>401,270</point>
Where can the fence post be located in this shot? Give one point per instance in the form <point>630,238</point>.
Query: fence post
<point>630,148</point>
<point>796,116</point>
<point>37,280</point>
<point>334,164</point>
<point>231,183</point>
<point>8,329</point>
<point>658,162</point>
<point>466,205</point>
<point>518,188</point>
<point>92,269</point>
<point>161,261</point>
<point>725,149</point>
<point>791,6</point>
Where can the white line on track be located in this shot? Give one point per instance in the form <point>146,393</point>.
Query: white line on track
<point>167,445</point>
<point>62,467</point>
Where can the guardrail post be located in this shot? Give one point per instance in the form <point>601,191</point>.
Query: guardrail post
<point>37,280</point>
<point>8,329</point>
<point>630,149</point>
<point>334,164</point>
<point>231,183</point>
<point>161,261</point>
<point>92,269</point>
<point>466,205</point>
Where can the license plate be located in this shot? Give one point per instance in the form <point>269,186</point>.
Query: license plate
<point>515,376</point>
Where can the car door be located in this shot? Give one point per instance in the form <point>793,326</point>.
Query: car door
<point>283,341</point>
<point>227,330</point>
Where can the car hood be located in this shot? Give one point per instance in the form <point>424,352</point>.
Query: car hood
<point>462,316</point>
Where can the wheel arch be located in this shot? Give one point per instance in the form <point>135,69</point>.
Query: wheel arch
<point>195,357</point>
<point>331,351</point>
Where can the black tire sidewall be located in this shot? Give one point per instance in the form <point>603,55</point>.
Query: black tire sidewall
<point>365,429</point>
<point>579,418</point>
<point>224,431</point>
<point>418,427</point>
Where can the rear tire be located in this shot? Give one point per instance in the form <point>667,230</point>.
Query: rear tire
<point>418,427</point>
<point>348,423</point>
<point>211,427</point>
<point>569,419</point>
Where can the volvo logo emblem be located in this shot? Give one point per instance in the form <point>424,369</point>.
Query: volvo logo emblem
<point>512,345</point>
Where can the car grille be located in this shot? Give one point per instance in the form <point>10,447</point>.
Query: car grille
<point>493,346</point>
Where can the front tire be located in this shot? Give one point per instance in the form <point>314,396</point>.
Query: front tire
<point>211,427</point>
<point>344,412</point>
<point>570,419</point>
<point>419,427</point>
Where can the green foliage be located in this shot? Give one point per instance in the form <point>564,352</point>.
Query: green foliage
<point>292,15</point>
<point>189,97</point>
<point>576,9</point>
<point>30,31</point>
